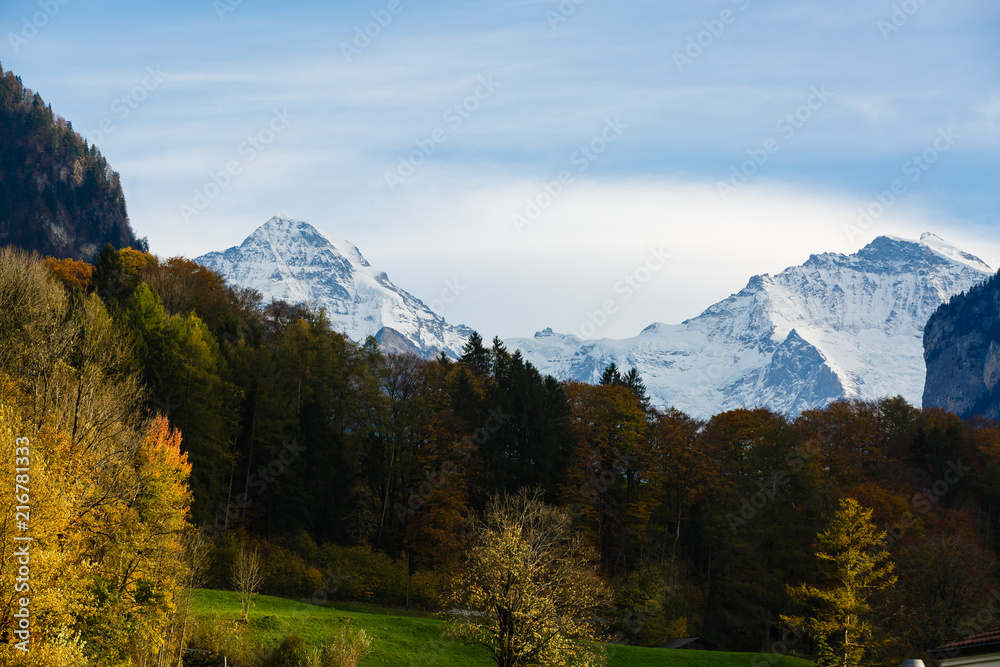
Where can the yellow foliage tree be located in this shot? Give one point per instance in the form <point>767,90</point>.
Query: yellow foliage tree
<point>859,566</point>
<point>528,590</point>
<point>107,496</point>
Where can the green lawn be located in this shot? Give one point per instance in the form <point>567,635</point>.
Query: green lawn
<point>402,639</point>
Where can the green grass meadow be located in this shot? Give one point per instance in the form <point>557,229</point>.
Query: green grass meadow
<point>405,639</point>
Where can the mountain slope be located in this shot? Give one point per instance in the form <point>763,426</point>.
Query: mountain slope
<point>58,195</point>
<point>835,327</point>
<point>293,261</point>
<point>962,351</point>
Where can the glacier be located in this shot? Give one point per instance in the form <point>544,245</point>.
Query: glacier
<point>836,327</point>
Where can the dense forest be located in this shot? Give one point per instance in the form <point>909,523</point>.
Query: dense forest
<point>57,193</point>
<point>356,472</point>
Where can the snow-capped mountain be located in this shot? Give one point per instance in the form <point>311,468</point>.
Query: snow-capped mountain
<point>835,327</point>
<point>293,261</point>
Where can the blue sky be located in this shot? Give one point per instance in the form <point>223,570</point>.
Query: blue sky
<point>804,112</point>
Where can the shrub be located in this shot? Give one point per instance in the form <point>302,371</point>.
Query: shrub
<point>220,636</point>
<point>65,650</point>
<point>292,652</point>
<point>346,650</point>
<point>427,587</point>
<point>365,575</point>
<point>287,573</point>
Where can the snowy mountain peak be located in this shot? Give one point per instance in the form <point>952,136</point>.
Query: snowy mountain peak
<point>291,260</point>
<point>837,326</point>
<point>949,251</point>
<point>285,234</point>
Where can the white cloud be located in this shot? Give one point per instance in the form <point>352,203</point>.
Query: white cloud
<point>570,259</point>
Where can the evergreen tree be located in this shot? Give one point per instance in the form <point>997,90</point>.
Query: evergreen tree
<point>108,278</point>
<point>475,356</point>
<point>611,376</point>
<point>633,381</point>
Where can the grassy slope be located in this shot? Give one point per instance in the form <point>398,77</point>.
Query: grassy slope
<point>401,639</point>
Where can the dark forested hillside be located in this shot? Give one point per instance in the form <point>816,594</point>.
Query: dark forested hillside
<point>58,195</point>
<point>962,350</point>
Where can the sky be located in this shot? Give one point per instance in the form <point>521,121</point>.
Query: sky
<point>512,162</point>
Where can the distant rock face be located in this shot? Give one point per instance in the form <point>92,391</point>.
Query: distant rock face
<point>291,260</point>
<point>838,326</point>
<point>962,352</point>
<point>798,377</point>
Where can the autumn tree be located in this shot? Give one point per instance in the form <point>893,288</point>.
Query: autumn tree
<point>756,522</point>
<point>109,495</point>
<point>187,379</point>
<point>528,590</point>
<point>858,567</point>
<point>75,274</point>
<point>609,480</point>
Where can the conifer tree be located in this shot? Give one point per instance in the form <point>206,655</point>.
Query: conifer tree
<point>475,355</point>
<point>859,567</point>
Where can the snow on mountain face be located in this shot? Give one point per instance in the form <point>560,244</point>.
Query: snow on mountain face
<point>293,261</point>
<point>835,327</point>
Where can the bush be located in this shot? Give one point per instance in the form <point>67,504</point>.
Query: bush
<point>345,651</point>
<point>220,636</point>
<point>64,650</point>
<point>648,602</point>
<point>288,571</point>
<point>427,587</point>
<point>364,575</point>
<point>287,574</point>
<point>203,659</point>
<point>292,652</point>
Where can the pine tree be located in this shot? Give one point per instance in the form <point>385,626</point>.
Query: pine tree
<point>475,356</point>
<point>611,375</point>
<point>109,275</point>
